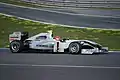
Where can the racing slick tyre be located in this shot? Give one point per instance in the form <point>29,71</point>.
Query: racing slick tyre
<point>16,46</point>
<point>74,48</point>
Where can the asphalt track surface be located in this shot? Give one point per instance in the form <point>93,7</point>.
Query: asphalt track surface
<point>65,18</point>
<point>36,66</point>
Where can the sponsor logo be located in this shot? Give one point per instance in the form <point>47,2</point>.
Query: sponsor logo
<point>50,46</point>
<point>42,45</point>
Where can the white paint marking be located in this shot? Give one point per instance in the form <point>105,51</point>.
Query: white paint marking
<point>3,48</point>
<point>58,11</point>
<point>114,51</point>
<point>41,21</point>
<point>56,24</point>
<point>63,66</point>
<point>8,48</point>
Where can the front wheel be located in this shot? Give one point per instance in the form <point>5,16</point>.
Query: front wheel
<point>74,48</point>
<point>16,46</point>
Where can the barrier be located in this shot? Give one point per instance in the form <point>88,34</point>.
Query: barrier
<point>76,3</point>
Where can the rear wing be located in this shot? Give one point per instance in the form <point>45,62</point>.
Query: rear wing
<point>15,36</point>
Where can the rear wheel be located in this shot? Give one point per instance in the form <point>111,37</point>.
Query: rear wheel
<point>74,48</point>
<point>16,46</point>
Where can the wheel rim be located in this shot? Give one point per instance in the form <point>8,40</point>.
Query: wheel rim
<point>15,47</point>
<point>74,48</point>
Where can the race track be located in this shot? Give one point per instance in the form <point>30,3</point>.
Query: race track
<point>66,17</point>
<point>36,66</point>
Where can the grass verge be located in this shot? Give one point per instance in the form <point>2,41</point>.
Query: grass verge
<point>109,38</point>
<point>22,3</point>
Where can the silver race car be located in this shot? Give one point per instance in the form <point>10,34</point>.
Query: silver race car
<point>19,41</point>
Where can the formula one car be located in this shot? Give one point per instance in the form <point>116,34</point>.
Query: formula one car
<point>19,41</point>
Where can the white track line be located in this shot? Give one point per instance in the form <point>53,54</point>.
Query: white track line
<point>114,51</point>
<point>56,24</point>
<point>8,49</point>
<point>58,11</point>
<point>60,66</point>
<point>4,48</point>
<point>41,21</point>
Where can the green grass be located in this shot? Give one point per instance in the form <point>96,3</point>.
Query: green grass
<point>21,3</point>
<point>109,38</point>
<point>103,8</point>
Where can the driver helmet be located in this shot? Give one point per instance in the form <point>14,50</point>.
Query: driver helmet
<point>57,38</point>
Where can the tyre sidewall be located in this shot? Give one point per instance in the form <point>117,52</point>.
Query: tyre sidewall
<point>19,49</point>
<point>78,48</point>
